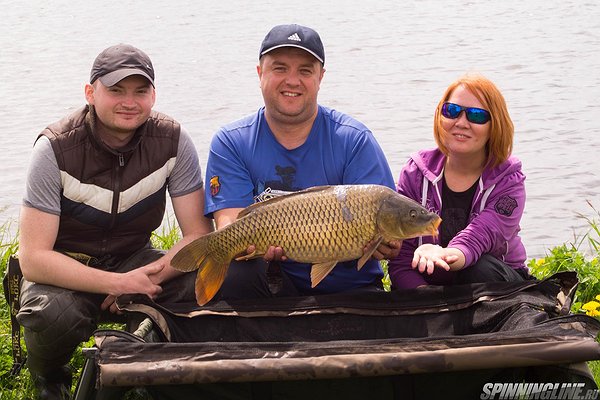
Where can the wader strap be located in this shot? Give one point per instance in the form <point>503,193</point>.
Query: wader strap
<point>12,292</point>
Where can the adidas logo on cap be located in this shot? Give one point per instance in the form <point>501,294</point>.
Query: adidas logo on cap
<point>295,37</point>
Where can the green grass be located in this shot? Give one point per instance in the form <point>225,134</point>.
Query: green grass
<point>582,256</point>
<point>20,386</point>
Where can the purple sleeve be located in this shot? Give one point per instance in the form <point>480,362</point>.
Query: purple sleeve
<point>402,275</point>
<point>497,223</point>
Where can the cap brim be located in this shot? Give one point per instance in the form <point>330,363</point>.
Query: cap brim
<point>292,45</point>
<point>115,77</point>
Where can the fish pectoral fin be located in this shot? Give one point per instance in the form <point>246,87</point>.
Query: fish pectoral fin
<point>319,271</point>
<point>251,256</point>
<point>368,252</point>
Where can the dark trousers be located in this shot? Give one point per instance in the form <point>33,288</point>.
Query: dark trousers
<point>489,269</point>
<point>256,278</point>
<point>57,320</point>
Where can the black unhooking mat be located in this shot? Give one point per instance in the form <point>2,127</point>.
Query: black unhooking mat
<point>463,342</point>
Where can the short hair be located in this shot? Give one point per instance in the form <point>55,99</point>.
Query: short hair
<point>500,143</point>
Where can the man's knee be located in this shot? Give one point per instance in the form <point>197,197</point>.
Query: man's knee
<point>54,316</point>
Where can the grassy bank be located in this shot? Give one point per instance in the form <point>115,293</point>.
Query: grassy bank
<point>582,255</point>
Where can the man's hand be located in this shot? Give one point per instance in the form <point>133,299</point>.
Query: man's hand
<point>274,253</point>
<point>386,251</point>
<point>140,280</point>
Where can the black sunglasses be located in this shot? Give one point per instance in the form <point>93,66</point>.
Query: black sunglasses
<point>474,115</point>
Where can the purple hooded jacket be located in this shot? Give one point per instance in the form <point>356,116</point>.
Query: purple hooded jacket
<point>493,222</point>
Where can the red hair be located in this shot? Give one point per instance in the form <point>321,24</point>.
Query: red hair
<point>500,143</point>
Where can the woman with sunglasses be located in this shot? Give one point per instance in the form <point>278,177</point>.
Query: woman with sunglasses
<point>475,185</point>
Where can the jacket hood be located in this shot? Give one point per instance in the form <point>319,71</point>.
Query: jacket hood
<point>431,163</point>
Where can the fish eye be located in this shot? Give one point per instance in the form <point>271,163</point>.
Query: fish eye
<point>413,213</point>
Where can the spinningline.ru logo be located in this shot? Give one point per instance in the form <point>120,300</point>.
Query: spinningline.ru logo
<point>546,391</point>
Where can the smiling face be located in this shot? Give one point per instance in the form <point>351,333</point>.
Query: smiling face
<point>121,108</point>
<point>290,79</point>
<point>462,137</point>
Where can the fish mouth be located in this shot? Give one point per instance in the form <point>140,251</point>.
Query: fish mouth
<point>433,227</point>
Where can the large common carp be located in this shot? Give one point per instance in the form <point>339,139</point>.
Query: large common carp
<point>322,225</point>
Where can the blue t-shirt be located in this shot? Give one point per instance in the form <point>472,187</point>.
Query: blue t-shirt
<point>246,163</point>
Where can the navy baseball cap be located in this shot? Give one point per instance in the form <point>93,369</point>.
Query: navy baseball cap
<point>293,35</point>
<point>120,61</point>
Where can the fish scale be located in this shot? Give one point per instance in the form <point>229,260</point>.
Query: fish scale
<point>303,231</point>
<point>321,225</point>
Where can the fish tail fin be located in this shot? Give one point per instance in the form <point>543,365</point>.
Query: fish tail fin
<point>191,256</point>
<point>211,269</point>
<point>210,278</point>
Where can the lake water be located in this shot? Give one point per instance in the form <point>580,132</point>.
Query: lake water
<point>388,63</point>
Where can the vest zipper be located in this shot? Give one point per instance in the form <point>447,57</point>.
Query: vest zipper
<point>116,191</point>
<point>115,201</point>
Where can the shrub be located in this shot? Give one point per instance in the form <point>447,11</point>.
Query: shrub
<point>576,257</point>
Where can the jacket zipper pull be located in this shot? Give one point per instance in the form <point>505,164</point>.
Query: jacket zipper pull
<point>121,160</point>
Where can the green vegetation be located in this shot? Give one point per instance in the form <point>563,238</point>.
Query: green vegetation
<point>581,256</point>
<point>20,386</point>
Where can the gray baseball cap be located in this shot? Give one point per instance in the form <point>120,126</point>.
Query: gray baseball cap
<point>120,61</point>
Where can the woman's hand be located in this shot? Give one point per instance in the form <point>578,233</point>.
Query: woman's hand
<point>429,256</point>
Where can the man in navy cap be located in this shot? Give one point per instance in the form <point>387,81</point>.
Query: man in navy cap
<point>95,191</point>
<point>290,144</point>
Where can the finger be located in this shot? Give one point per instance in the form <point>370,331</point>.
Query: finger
<point>396,244</point>
<point>451,258</point>
<point>152,269</point>
<point>422,264</point>
<point>269,254</point>
<point>114,309</point>
<point>430,267</point>
<point>280,254</point>
<point>107,302</point>
<point>442,264</point>
<point>277,253</point>
<point>415,261</point>
<point>378,255</point>
<point>157,290</point>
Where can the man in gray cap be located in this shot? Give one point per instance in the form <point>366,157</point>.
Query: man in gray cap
<point>290,144</point>
<point>95,191</point>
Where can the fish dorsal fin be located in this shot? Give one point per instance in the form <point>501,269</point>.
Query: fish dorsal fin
<point>319,271</point>
<point>369,252</point>
<point>273,200</point>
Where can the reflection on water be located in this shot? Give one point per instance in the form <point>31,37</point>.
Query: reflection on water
<point>387,64</point>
